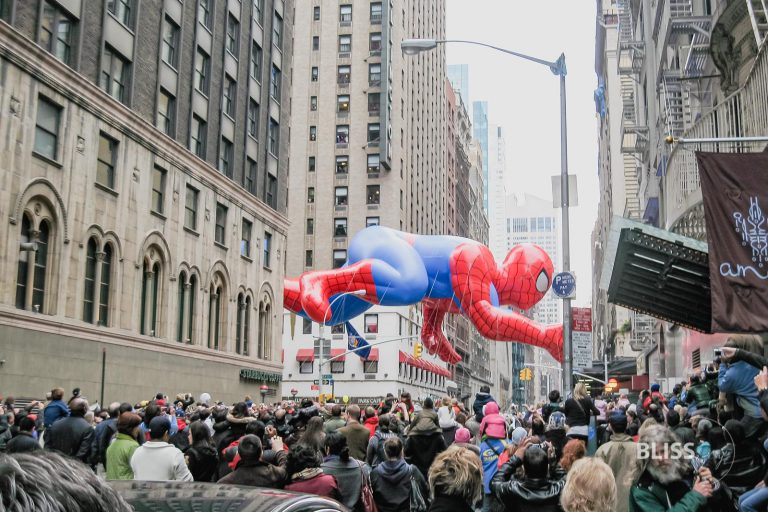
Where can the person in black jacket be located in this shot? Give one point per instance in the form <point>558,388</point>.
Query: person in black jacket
<point>391,480</point>
<point>201,455</point>
<point>72,436</point>
<point>425,438</point>
<point>578,411</point>
<point>533,492</point>
<point>24,442</point>
<point>481,398</point>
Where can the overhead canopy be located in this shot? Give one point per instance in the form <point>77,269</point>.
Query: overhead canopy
<point>373,355</point>
<point>619,367</point>
<point>338,352</point>
<point>305,355</point>
<point>658,273</point>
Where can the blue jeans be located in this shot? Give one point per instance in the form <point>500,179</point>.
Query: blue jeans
<point>754,500</point>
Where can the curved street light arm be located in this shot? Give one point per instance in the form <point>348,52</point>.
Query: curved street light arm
<point>558,67</point>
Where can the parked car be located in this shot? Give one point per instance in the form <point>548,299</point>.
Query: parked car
<point>200,496</point>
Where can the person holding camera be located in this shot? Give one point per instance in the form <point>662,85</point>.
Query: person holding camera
<point>738,378</point>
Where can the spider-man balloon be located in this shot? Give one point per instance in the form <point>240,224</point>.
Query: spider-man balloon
<point>447,274</point>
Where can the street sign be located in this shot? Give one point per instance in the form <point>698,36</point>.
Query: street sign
<point>327,376</point>
<point>564,285</point>
<point>582,349</point>
<point>327,382</point>
<point>582,319</point>
<point>315,387</point>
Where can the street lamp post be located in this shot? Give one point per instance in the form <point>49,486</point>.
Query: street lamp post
<point>263,389</point>
<point>558,68</point>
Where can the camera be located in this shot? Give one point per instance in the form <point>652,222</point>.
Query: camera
<point>718,352</point>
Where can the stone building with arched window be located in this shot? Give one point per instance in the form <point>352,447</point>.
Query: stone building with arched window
<point>130,265</point>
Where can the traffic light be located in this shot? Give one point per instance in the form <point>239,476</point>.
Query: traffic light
<point>417,350</point>
<point>526,374</point>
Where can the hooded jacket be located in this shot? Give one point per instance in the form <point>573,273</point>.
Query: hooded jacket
<point>203,462</point>
<point>493,424</point>
<point>539,494</point>
<point>159,461</point>
<point>480,400</point>
<point>425,440</point>
<point>391,483</point>
<point>349,479</point>
<point>371,424</point>
<point>375,452</point>
<point>118,457</point>
<point>55,410</point>
<point>739,378</point>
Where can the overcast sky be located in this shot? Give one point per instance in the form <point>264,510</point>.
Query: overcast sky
<point>523,98</point>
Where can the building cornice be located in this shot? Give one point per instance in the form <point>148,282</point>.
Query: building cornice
<point>22,52</point>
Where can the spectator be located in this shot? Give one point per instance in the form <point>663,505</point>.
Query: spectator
<point>391,480</point>
<point>535,491</point>
<point>491,449</point>
<point>201,456</point>
<point>6,426</point>
<point>738,377</point>
<point>158,460</point>
<point>313,435</point>
<point>660,484</point>
<point>590,487</point>
<point>574,450</point>
<point>404,409</point>
<point>697,397</point>
<point>620,453</point>
<point>463,439</point>
<point>552,406</point>
<point>578,411</point>
<point>356,434</point>
<point>685,434</point>
<point>633,422</point>
<point>336,422</point>
<point>555,433</point>
<point>375,452</point>
<point>103,434</point>
<point>119,453</point>
<point>56,408</point>
<point>425,438</point>
<point>24,441</point>
<point>493,423</point>
<point>72,435</point>
<point>349,473</point>
<point>446,418</point>
<point>252,470</point>
<point>675,398</point>
<point>371,420</point>
<point>151,411</point>
<point>48,481</point>
<point>703,446</point>
<point>455,481</point>
<point>306,475</point>
<point>481,399</point>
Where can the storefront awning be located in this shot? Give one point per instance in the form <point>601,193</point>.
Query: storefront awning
<point>337,352</point>
<point>374,355</point>
<point>304,355</point>
<point>403,357</point>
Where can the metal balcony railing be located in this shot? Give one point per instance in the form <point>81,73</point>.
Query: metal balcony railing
<point>742,114</point>
<point>631,50</point>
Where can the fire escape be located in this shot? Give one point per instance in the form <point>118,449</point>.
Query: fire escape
<point>634,137</point>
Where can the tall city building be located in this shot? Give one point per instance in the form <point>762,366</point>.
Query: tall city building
<point>145,179</point>
<point>458,75</point>
<point>367,148</point>
<point>531,219</point>
<point>480,131</point>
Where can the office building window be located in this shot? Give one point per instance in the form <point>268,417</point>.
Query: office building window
<point>271,191</point>
<point>166,105</point>
<point>230,91</point>
<point>277,31</point>
<point>170,51</point>
<point>121,9</point>
<point>339,258</point>
<point>316,13</point>
<point>47,128</point>
<point>376,12</point>
<point>342,103</point>
<point>315,73</point>
<point>342,164</point>
<point>342,134</point>
<point>306,367</point>
<point>345,43</point>
<point>105,164</point>
<point>315,43</point>
<point>245,239</point>
<point>370,366</point>
<point>310,195</point>
<point>202,71</point>
<point>340,226</point>
<point>197,136</point>
<point>226,157</point>
<point>374,74</point>
<point>258,11</point>
<point>253,118</point>
<point>313,103</point>
<point>267,248</point>
<point>310,227</point>
<point>311,164</point>
<point>335,329</point>
<point>256,57</point>
<point>190,208</point>
<point>158,190</point>
<point>313,133</point>
<point>371,323</point>
<point>344,74</point>
<point>373,194</point>
<point>56,32</point>
<point>373,132</point>
<point>341,196</point>
<point>308,261</point>
<point>374,102</point>
<point>274,83</point>
<point>249,176</point>
<point>374,42</point>
<point>345,13</point>
<point>274,137</point>
<point>220,230</point>
<point>233,35</point>
<point>371,221</point>
<point>114,74</point>
<point>204,13</point>
<point>373,163</point>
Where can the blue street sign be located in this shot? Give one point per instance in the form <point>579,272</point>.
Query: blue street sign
<point>564,285</point>
<point>327,376</point>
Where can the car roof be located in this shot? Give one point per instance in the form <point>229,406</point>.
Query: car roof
<point>201,497</point>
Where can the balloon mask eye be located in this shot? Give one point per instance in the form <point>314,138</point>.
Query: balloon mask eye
<point>542,282</point>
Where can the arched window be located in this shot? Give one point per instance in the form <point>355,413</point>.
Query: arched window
<point>264,350</point>
<point>182,307</point>
<point>22,276</point>
<point>106,280</point>
<point>150,287</point>
<point>214,317</point>
<point>90,280</point>
<point>191,309</point>
<point>247,325</point>
<point>41,267</point>
<point>239,322</point>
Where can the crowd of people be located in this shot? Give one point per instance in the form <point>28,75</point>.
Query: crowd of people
<point>700,448</point>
